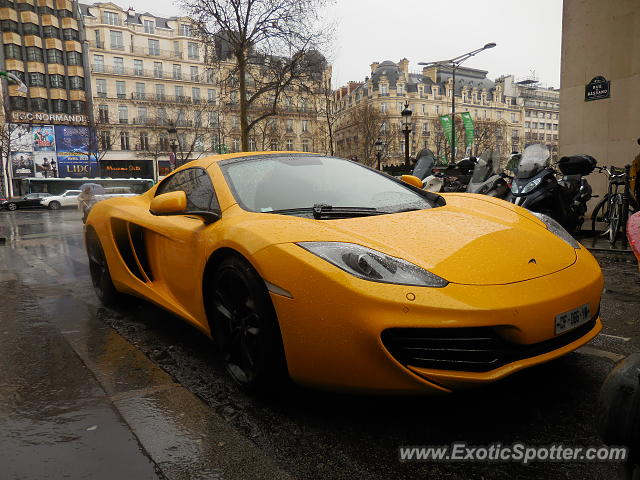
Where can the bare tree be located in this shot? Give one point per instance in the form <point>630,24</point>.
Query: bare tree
<point>273,43</point>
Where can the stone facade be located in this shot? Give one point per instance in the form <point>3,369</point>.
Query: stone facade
<point>150,74</point>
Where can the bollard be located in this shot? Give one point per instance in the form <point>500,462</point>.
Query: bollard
<point>618,409</point>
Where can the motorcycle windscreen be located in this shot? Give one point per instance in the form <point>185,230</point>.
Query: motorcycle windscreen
<point>424,164</point>
<point>534,159</point>
<point>486,166</point>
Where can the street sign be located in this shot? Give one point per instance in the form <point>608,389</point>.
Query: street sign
<point>597,89</point>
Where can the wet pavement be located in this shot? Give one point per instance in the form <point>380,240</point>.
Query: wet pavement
<point>89,392</point>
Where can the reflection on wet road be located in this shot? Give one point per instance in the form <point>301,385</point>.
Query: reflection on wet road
<point>163,407</point>
<point>79,398</point>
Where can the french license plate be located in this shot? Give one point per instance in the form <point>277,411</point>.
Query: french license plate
<point>573,318</point>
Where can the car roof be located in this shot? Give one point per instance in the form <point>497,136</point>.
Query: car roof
<point>206,162</point>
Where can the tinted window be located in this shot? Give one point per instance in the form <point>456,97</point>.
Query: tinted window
<point>195,182</point>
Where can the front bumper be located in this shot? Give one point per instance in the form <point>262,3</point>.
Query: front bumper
<point>332,327</point>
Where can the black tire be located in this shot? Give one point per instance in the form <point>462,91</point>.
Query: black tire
<point>54,205</point>
<point>615,218</point>
<point>99,269</point>
<point>12,206</point>
<point>245,327</point>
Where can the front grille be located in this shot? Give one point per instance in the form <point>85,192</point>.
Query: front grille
<point>474,349</point>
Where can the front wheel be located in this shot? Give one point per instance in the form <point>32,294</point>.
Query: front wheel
<point>99,270</point>
<point>54,205</point>
<point>245,327</point>
<point>12,206</point>
<point>615,217</point>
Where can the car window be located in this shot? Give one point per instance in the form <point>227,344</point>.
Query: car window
<point>32,196</point>
<point>287,182</point>
<point>195,182</point>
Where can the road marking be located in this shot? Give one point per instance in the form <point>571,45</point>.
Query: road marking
<point>624,339</point>
<point>595,352</point>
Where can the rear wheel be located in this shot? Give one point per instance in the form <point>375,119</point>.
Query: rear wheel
<point>245,327</point>
<point>99,269</point>
<point>615,217</point>
<point>54,205</point>
<point>12,206</point>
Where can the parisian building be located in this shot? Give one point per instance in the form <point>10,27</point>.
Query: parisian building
<point>600,81</point>
<point>49,126</point>
<point>508,115</point>
<point>155,90</point>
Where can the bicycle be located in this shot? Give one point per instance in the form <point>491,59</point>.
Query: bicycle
<point>615,207</point>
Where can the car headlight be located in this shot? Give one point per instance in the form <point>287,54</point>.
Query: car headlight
<point>369,264</point>
<point>557,229</point>
<point>531,185</point>
<point>514,188</point>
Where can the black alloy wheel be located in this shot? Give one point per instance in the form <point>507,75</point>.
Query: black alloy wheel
<point>245,327</point>
<point>54,205</point>
<point>99,270</point>
<point>12,206</point>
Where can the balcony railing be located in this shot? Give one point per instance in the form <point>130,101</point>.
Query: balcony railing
<point>136,72</point>
<point>155,52</point>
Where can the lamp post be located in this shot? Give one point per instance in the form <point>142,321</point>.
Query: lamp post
<point>406,129</point>
<point>454,63</point>
<point>379,146</point>
<point>173,145</point>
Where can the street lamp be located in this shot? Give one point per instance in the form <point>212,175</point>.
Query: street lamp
<point>173,159</point>
<point>406,129</point>
<point>379,146</point>
<point>454,63</point>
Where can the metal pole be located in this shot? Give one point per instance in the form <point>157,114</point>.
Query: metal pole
<point>379,155</point>
<point>453,117</point>
<point>406,146</point>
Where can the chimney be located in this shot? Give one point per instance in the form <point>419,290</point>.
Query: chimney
<point>431,72</point>
<point>374,66</point>
<point>131,12</point>
<point>403,65</point>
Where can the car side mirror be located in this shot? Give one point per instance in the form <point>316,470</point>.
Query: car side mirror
<point>172,203</point>
<point>411,180</point>
<point>175,203</point>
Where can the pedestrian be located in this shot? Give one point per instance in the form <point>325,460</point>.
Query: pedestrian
<point>85,201</point>
<point>635,171</point>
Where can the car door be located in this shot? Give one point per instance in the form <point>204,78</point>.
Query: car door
<point>177,252</point>
<point>30,200</point>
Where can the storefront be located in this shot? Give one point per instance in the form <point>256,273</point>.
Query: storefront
<point>126,168</point>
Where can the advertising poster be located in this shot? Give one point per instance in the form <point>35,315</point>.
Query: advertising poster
<point>21,139</point>
<point>72,149</point>
<point>44,139</point>
<point>22,164</point>
<point>45,164</point>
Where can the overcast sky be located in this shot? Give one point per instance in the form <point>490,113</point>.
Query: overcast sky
<point>528,34</point>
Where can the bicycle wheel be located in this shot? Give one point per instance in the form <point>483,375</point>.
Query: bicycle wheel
<point>599,213</point>
<point>615,217</point>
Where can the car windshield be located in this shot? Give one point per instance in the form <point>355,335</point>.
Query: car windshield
<point>534,159</point>
<point>274,183</point>
<point>486,166</point>
<point>424,164</point>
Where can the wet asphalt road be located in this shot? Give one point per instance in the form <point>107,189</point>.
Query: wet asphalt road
<point>162,407</point>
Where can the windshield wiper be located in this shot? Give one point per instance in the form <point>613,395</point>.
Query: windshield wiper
<point>322,210</point>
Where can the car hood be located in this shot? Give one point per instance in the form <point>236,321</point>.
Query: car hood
<point>468,241</point>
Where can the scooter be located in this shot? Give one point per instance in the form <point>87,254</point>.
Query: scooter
<point>485,179</point>
<point>536,187</point>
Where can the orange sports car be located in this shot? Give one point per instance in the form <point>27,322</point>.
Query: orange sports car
<point>342,277</point>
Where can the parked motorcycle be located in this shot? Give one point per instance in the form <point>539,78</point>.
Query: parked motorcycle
<point>485,179</point>
<point>446,178</point>
<point>536,187</point>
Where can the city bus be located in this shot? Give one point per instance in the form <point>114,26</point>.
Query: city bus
<point>57,186</point>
